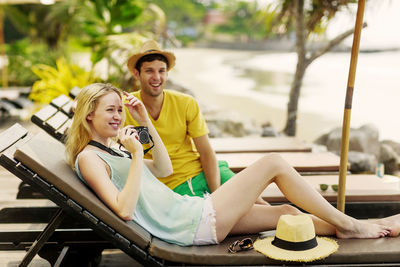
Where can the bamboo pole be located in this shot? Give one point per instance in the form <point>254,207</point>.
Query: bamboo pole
<point>344,148</point>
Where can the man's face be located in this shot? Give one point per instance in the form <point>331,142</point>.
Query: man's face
<point>152,77</point>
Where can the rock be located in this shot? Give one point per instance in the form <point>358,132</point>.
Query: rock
<point>389,158</point>
<point>394,145</point>
<point>268,131</point>
<point>364,139</point>
<point>362,162</point>
<point>322,140</point>
<point>215,131</point>
<point>229,123</point>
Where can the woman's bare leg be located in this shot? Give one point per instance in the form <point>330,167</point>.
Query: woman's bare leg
<point>242,190</point>
<point>392,221</point>
<point>262,218</point>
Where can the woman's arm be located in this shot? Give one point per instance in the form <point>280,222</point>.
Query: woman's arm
<point>161,165</point>
<point>97,174</point>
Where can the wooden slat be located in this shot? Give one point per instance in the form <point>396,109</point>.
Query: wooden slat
<point>359,188</point>
<point>259,144</point>
<point>57,120</point>
<point>45,113</point>
<point>67,109</point>
<point>11,136</point>
<point>301,161</point>
<point>60,101</point>
<point>73,93</point>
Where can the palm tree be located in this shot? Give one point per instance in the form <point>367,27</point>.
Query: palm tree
<point>305,18</point>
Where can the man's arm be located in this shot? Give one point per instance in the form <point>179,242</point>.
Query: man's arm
<point>208,162</point>
<point>210,165</point>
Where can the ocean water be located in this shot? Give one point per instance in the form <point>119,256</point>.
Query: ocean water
<point>266,77</point>
<point>376,95</point>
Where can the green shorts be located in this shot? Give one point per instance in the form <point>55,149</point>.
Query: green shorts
<point>199,183</point>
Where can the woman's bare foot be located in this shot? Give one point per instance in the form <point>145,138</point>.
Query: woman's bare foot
<point>393,222</point>
<point>362,229</point>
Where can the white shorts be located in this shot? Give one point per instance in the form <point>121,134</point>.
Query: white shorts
<point>206,233</point>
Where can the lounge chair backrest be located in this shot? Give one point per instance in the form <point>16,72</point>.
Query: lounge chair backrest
<point>46,157</point>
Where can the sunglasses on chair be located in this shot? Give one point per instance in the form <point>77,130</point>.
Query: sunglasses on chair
<point>241,245</point>
<point>325,187</point>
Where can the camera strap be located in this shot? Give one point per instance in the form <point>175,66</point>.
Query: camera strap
<point>152,144</point>
<point>108,149</point>
<point>115,153</point>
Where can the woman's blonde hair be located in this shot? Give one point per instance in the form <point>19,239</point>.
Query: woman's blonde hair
<point>79,134</point>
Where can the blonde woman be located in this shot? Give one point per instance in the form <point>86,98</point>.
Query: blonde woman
<point>128,185</point>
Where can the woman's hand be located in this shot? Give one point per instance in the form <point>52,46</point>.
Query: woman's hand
<point>130,140</point>
<point>136,109</point>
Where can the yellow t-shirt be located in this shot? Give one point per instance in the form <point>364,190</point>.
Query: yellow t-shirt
<point>180,120</point>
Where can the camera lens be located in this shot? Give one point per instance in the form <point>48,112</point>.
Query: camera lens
<point>144,137</point>
<point>143,134</point>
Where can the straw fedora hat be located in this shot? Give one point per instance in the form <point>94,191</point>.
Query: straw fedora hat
<point>150,47</point>
<point>295,240</point>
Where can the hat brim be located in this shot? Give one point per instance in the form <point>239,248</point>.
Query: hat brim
<point>325,248</point>
<point>134,58</point>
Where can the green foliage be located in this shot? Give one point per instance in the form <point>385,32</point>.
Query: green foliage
<point>244,18</point>
<point>22,55</point>
<point>40,23</point>
<point>182,15</point>
<point>108,29</point>
<point>59,80</point>
<point>103,18</point>
<point>317,14</point>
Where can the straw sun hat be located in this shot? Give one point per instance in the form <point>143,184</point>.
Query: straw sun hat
<point>150,47</point>
<point>295,240</point>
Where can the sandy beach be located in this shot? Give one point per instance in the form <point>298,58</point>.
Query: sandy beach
<point>208,74</point>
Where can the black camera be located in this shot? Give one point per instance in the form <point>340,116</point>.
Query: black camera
<point>143,133</point>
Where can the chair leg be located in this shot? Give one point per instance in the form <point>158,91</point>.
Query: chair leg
<point>61,257</point>
<point>43,237</point>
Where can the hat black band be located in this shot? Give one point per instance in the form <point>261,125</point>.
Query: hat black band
<point>295,246</point>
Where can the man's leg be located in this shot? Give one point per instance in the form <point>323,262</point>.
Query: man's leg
<point>197,186</point>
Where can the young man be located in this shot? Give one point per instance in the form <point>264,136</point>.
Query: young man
<point>180,123</point>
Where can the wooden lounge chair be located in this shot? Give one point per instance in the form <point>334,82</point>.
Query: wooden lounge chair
<point>39,160</point>
<point>259,144</point>
<point>366,194</point>
<point>55,118</point>
<point>304,162</point>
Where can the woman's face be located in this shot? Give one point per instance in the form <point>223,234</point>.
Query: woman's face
<point>106,119</point>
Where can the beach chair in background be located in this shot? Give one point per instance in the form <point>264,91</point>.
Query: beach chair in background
<point>39,160</point>
<point>306,163</point>
<point>367,195</point>
<point>55,118</point>
<point>259,144</point>
<point>13,103</point>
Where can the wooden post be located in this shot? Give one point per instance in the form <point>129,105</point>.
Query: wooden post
<point>344,148</point>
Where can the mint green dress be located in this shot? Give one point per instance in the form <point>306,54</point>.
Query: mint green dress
<point>162,212</point>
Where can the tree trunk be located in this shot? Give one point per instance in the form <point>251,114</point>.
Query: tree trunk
<point>290,128</point>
